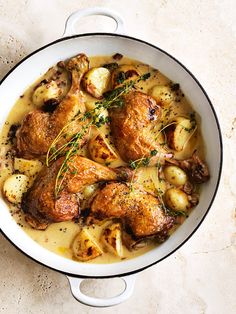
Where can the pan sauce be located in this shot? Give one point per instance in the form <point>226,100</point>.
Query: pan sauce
<point>58,236</point>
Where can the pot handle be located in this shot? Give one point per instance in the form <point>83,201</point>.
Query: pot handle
<point>77,15</point>
<point>101,302</point>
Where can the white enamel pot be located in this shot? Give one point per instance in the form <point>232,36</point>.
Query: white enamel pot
<point>32,67</point>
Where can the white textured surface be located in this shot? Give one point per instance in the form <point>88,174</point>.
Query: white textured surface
<point>201,276</point>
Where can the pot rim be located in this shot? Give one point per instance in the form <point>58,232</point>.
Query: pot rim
<point>220,142</point>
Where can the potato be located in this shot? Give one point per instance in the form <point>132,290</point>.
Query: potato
<point>84,247</point>
<point>124,73</point>
<point>14,187</point>
<point>175,175</point>
<point>100,150</point>
<point>96,81</point>
<point>28,167</point>
<point>177,200</point>
<point>162,94</point>
<point>179,133</point>
<point>45,92</point>
<point>112,239</point>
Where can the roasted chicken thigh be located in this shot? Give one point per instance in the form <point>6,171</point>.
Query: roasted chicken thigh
<point>134,129</point>
<point>39,128</point>
<point>40,204</point>
<point>140,212</point>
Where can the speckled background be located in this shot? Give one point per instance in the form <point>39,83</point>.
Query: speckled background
<point>201,276</point>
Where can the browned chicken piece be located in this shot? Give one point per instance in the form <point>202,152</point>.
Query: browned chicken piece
<point>133,127</point>
<point>88,172</point>
<point>140,212</point>
<point>39,128</point>
<point>40,204</point>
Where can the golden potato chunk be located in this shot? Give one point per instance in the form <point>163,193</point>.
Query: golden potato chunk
<point>112,239</point>
<point>100,150</point>
<point>28,167</point>
<point>177,200</point>
<point>179,133</point>
<point>162,94</point>
<point>14,187</point>
<point>84,247</point>
<point>96,81</point>
<point>175,175</point>
<point>45,92</point>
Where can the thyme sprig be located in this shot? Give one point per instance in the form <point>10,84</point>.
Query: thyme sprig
<point>93,117</point>
<point>65,167</point>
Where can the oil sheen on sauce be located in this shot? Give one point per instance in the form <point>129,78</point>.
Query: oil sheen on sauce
<point>59,236</point>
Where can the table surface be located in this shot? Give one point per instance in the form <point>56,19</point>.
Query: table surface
<point>199,277</point>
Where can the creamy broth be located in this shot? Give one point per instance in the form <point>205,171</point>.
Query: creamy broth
<point>59,236</point>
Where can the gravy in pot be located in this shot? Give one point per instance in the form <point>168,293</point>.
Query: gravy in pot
<point>58,237</point>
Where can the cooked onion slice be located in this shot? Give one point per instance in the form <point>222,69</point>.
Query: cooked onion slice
<point>112,239</point>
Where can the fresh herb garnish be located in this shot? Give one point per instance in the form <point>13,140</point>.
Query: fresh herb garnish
<point>135,164</point>
<point>146,161</point>
<point>144,77</point>
<point>153,152</point>
<point>174,213</point>
<point>94,117</point>
<point>120,77</point>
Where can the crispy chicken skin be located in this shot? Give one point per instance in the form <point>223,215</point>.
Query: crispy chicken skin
<point>39,128</point>
<point>40,204</point>
<point>89,172</point>
<point>139,211</point>
<point>133,125</point>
